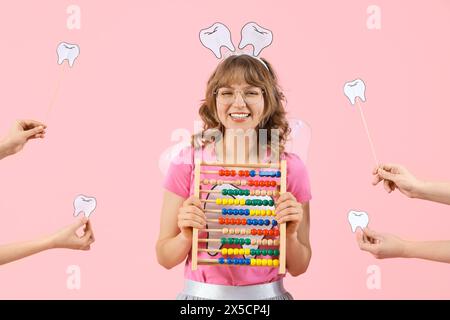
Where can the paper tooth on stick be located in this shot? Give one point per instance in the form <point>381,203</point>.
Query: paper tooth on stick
<point>358,219</point>
<point>84,204</point>
<point>67,51</point>
<point>355,88</point>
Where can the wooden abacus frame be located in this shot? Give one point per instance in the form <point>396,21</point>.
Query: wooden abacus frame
<point>282,227</point>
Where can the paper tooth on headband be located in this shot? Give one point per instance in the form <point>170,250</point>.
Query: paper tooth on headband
<point>355,88</point>
<point>67,51</point>
<point>257,36</point>
<point>84,204</point>
<point>216,37</point>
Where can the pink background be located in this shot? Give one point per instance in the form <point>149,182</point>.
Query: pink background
<point>141,75</point>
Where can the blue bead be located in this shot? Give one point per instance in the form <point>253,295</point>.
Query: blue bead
<point>247,212</point>
<point>229,261</point>
<point>252,173</point>
<point>221,260</point>
<point>236,261</point>
<point>261,222</point>
<point>249,222</point>
<point>247,262</point>
<point>278,174</point>
<point>262,173</point>
<point>241,211</point>
<point>224,211</point>
<point>274,222</point>
<point>235,212</point>
<point>267,222</point>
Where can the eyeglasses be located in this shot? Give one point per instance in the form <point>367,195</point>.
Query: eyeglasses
<point>228,96</point>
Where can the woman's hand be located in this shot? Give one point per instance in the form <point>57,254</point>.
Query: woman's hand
<point>19,134</point>
<point>191,215</point>
<point>289,210</point>
<point>69,239</point>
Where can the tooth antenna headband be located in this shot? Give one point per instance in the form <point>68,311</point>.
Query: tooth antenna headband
<point>218,35</point>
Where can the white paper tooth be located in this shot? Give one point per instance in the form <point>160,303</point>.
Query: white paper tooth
<point>358,219</point>
<point>216,37</point>
<point>84,204</point>
<point>255,35</point>
<point>355,88</point>
<point>67,51</point>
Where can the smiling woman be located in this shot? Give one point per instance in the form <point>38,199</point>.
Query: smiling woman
<point>242,95</point>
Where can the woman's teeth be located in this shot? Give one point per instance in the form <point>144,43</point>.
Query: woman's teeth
<point>239,115</point>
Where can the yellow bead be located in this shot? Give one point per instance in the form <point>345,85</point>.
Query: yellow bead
<point>276,262</point>
<point>247,252</point>
<point>230,251</point>
<point>242,202</point>
<point>236,251</point>
<point>253,262</point>
<point>263,212</point>
<point>236,202</point>
<point>264,262</point>
<point>218,201</point>
<point>252,212</point>
<point>241,251</point>
<point>258,212</point>
<point>258,262</point>
<point>224,251</point>
<point>269,262</point>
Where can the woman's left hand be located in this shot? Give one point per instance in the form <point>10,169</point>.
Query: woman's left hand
<point>289,210</point>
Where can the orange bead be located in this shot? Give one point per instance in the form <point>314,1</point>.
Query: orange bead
<point>260,232</point>
<point>233,173</point>
<point>273,183</point>
<point>271,232</point>
<point>266,232</point>
<point>221,220</point>
<point>276,232</point>
<point>254,232</point>
<point>221,172</point>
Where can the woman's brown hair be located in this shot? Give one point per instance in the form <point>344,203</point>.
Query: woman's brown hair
<point>244,67</point>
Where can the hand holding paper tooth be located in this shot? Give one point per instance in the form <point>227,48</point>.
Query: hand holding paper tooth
<point>19,134</point>
<point>84,204</point>
<point>68,238</point>
<point>398,177</point>
<point>381,245</point>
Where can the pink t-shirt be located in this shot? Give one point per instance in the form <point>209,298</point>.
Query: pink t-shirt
<point>180,180</point>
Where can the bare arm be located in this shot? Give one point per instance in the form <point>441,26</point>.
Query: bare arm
<point>178,216</point>
<point>296,216</point>
<point>435,191</point>
<point>64,238</point>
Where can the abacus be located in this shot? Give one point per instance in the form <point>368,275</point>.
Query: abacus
<point>257,222</point>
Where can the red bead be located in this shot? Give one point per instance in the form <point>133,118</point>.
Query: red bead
<point>250,183</point>
<point>261,183</point>
<point>238,221</point>
<point>221,172</point>
<point>227,220</point>
<point>271,233</point>
<point>232,221</point>
<point>233,173</point>
<point>276,232</point>
<point>273,183</point>
<point>254,232</point>
<point>241,173</point>
<point>244,221</point>
<point>221,220</point>
<point>227,172</point>
<point>260,232</point>
<point>267,183</point>
<point>266,232</point>
<point>247,173</point>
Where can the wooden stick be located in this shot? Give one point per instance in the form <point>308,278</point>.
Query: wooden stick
<point>213,230</point>
<point>242,165</point>
<point>195,230</point>
<point>208,240</point>
<point>282,268</point>
<point>209,250</point>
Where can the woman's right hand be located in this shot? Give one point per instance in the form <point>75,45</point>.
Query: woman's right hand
<point>398,177</point>
<point>191,215</point>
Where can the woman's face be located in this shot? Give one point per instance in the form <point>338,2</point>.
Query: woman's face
<point>240,106</point>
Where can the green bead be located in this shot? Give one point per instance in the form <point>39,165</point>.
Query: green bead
<point>260,202</point>
<point>241,192</point>
<point>258,252</point>
<point>224,192</point>
<point>230,241</point>
<point>247,192</point>
<point>223,240</point>
<point>264,252</point>
<point>248,241</point>
<point>252,252</point>
<point>255,202</point>
<point>241,241</point>
<point>270,252</point>
<point>235,192</point>
<point>276,252</point>
<point>271,203</point>
<point>265,202</point>
<point>248,202</point>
